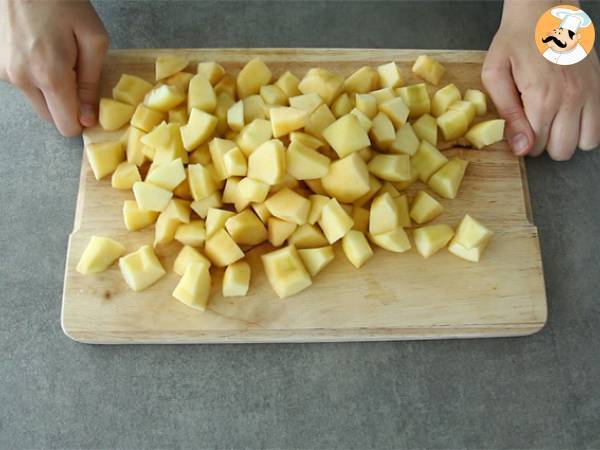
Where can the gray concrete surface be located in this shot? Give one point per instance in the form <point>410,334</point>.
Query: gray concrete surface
<point>534,392</point>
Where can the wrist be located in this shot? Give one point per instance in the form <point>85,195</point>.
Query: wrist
<point>524,11</point>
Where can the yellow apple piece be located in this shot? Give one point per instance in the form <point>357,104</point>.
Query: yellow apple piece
<point>395,240</point>
<point>316,259</point>
<point>316,186</point>
<point>113,115</point>
<point>429,69</point>
<point>390,167</point>
<point>253,190</point>
<point>285,271</point>
<point>287,119</point>
<point>215,220</point>
<point>131,89</point>
<point>390,189</point>
<point>213,71</point>
<point>323,82</point>
<point>222,250</point>
<point>389,75</point>
<point>432,238</point>
<point>272,95</point>
<point>253,135</point>
<point>288,205</point>
<point>478,99</point>
<point>167,65</point>
<point>261,211</point>
<point>473,255</point>
<point>406,141</point>
<point>192,234</point>
<point>365,122</point>
<point>360,216</point>
<point>465,107</point>
<point>134,148</point>
<point>141,269</point>
<point>194,287</point>
<point>307,236</point>
<point>246,229</point>
<point>403,211</point>
<point>226,84</point>
<point>254,108</point>
<point>486,133</point>
<point>453,124</point>
<point>125,175</point>
<point>427,161</point>
<point>471,233</point>
<point>347,179</point>
<point>307,102</point>
<point>186,256</point>
<point>446,181</point>
<point>104,157</point>
<point>443,98</point>
<point>279,230</point>
<point>382,132</point>
<point>236,279</point>
<point>346,135</point>
<point>231,194</point>
<point>367,104</point>
<point>201,94</point>
<point>396,110</point>
<point>136,218</point>
<point>342,106</point>
<point>374,187</point>
<point>306,140</point>
<point>99,253</point>
<point>356,248</point>
<point>164,97</point>
<point>235,163</point>
<point>150,197</point>
<point>165,229</point>
<point>181,80</point>
<point>235,116</point>
<point>334,221</point>
<point>383,95</point>
<point>201,207</point>
<point>146,118</point>
<point>288,83</point>
<point>364,80</point>
<point>304,163</point>
<point>201,181</point>
<point>318,121</point>
<point>199,128</point>
<point>425,208</point>
<point>425,127</point>
<point>416,97</point>
<point>267,162</point>
<point>317,202</point>
<point>168,175</point>
<point>383,214</point>
<point>252,76</point>
<point>224,103</point>
<point>179,210</point>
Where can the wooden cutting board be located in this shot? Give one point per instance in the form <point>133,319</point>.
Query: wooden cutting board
<point>393,297</point>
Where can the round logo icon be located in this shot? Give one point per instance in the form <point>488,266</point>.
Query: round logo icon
<point>564,35</point>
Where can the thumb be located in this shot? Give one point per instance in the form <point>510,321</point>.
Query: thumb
<point>91,50</point>
<point>500,84</point>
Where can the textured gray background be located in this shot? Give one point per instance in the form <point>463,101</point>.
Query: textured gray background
<point>539,391</point>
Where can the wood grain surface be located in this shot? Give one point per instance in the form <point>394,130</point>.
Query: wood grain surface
<point>392,297</point>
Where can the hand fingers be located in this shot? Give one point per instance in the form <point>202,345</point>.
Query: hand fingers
<point>540,109</point>
<point>589,134</point>
<point>501,86</point>
<point>61,98</point>
<point>564,134</point>
<point>37,101</point>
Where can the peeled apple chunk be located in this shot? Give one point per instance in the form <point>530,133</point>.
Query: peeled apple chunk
<point>125,176</point>
<point>136,218</point>
<point>168,175</point>
<point>252,76</point>
<point>222,250</point>
<point>443,98</point>
<point>446,181</point>
<point>425,208</point>
<point>395,240</point>
<point>201,94</point>
<point>131,89</point>
<point>467,108</point>
<point>425,127</point>
<point>432,238</point>
<point>288,205</point>
<point>307,236</point>
<point>236,279</point>
<point>453,124</point>
<point>145,118</point>
<point>406,141</point>
<point>104,157</point>
<point>427,161</point>
<point>382,132</point>
<point>285,271</point>
<point>246,229</point>
<point>356,248</point>
<point>390,167</point>
<point>113,115</point>
<point>383,214</point>
<point>100,253</point>
<point>347,179</point>
<point>279,230</point>
<point>364,80</point>
<point>141,269</point>
<point>164,97</point>
<point>473,255</point>
<point>199,128</point>
<point>478,99</point>
<point>150,197</point>
<point>335,221</point>
<point>316,259</point>
<point>486,133</point>
<point>396,110</point>
<point>185,257</point>
<point>416,98</point>
<point>267,162</point>
<point>323,82</point>
<point>288,83</point>
<point>215,220</point>
<point>367,104</point>
<point>194,287</point>
<point>287,119</point>
<point>471,233</point>
<point>193,233</point>
<point>429,69</point>
<point>342,105</point>
<point>167,65</point>
<point>389,75</point>
<point>346,135</point>
<point>304,163</point>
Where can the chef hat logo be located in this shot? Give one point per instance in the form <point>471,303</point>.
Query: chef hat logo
<point>564,35</point>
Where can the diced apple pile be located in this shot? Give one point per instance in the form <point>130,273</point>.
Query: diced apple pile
<point>233,162</point>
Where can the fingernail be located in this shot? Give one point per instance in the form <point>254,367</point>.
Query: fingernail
<point>87,115</point>
<point>519,143</point>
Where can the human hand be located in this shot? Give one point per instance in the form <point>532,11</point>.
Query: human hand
<point>52,50</point>
<point>546,106</point>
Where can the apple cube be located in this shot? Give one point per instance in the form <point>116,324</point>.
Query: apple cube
<point>432,238</point>
<point>425,208</point>
<point>365,122</point>
<point>356,248</point>
<point>416,98</point>
<point>165,229</point>
<point>180,79</point>
<point>179,210</point>
<point>252,76</point>
<point>403,211</point>
<point>288,83</point>
<point>246,228</point>
<point>443,98</point>
<point>192,234</point>
<point>164,97</point>
<point>305,163</point>
<point>261,211</point>
<point>104,157</point>
<point>236,279</point>
<point>346,135</point>
<point>287,119</point>
<point>201,94</point>
<point>307,236</point>
<point>288,205</point>
<point>168,175</point>
<point>215,220</point>
<point>406,141</point>
<point>267,162</point>
<point>136,218</point>
<point>235,163</point>
<point>307,102</point>
<point>186,256</point>
<point>279,230</point>
<point>389,75</point>
<point>134,147</point>
<point>367,104</point>
<point>316,259</point>
<point>429,69</point>
<point>347,179</point>
<point>471,233</point>
<point>446,181</point>
<point>465,107</point>
<point>199,128</point>
<point>396,110</point>
<point>201,181</point>
<point>334,221</point>
<point>231,194</point>
<point>222,250</point>
<point>383,95</point>
<point>317,202</point>
<point>473,255</point>
<point>382,132</point>
<point>323,82</point>
<point>213,71</point>
<point>194,287</point>
<point>360,216</point>
<point>390,189</point>
<point>145,118</point>
<point>383,215</point>
<point>342,106</point>
<point>141,269</point>
<point>395,240</point>
<point>306,140</point>
<point>235,116</point>
<point>100,253</point>
<point>391,167</point>
<point>486,133</point>
<point>226,84</point>
<point>201,207</point>
<point>253,135</point>
<point>285,271</point>
<point>362,81</point>
<point>374,187</point>
<point>254,108</point>
<point>113,115</point>
<point>125,175</point>
<point>425,128</point>
<point>272,95</point>
<point>453,124</point>
<point>427,161</point>
<point>150,197</point>
<point>167,65</point>
<point>131,89</point>
<point>320,119</point>
<point>478,99</point>
<point>253,190</point>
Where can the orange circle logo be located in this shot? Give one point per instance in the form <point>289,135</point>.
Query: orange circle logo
<point>564,35</point>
